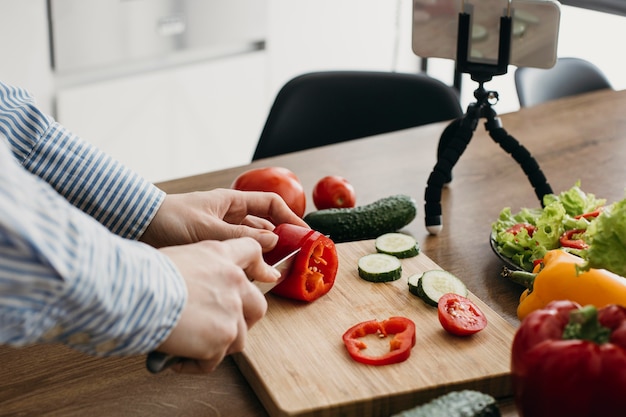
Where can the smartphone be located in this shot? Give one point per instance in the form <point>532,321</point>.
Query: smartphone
<point>534,38</point>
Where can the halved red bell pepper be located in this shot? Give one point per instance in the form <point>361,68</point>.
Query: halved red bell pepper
<point>400,345</point>
<point>569,360</point>
<point>314,269</point>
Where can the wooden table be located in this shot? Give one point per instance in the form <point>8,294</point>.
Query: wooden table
<point>581,138</point>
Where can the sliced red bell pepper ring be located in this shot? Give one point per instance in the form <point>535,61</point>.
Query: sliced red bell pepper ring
<point>314,269</point>
<point>400,345</point>
<point>567,239</point>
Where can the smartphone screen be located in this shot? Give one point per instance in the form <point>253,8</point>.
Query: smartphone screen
<point>534,38</point>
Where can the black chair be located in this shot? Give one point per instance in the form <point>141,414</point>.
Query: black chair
<point>568,77</point>
<point>327,107</point>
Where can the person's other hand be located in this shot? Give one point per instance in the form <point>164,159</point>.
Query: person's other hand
<point>219,214</point>
<point>222,303</point>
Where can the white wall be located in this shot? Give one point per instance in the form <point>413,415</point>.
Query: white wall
<point>597,37</point>
<point>338,34</point>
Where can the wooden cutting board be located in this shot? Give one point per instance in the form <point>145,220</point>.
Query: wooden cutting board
<point>297,364</point>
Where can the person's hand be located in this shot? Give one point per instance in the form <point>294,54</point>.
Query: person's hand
<point>219,214</point>
<point>222,302</point>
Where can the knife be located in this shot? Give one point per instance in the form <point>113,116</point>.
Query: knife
<point>158,361</point>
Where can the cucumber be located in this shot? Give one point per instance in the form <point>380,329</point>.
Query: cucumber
<point>413,281</point>
<point>431,285</point>
<point>369,221</point>
<point>465,403</point>
<point>397,244</point>
<point>379,267</point>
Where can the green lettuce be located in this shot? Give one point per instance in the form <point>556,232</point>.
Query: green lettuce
<point>575,201</point>
<point>607,240</point>
<point>557,216</point>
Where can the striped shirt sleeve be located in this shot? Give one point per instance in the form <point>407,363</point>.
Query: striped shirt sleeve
<point>65,278</point>
<point>94,182</point>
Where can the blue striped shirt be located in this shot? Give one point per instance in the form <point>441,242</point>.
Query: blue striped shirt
<point>71,267</point>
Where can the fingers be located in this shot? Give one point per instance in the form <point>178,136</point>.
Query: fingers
<point>262,211</point>
<point>266,238</point>
<point>222,302</point>
<point>247,255</point>
<point>265,205</point>
<point>257,223</point>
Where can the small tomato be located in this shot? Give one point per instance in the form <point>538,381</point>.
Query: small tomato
<point>274,179</point>
<point>333,191</point>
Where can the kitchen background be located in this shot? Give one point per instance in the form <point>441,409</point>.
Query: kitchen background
<point>179,87</point>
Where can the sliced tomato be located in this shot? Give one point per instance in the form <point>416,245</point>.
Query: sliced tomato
<point>459,315</point>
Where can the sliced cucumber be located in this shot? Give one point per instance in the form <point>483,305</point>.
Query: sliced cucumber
<point>414,283</point>
<point>431,285</point>
<point>397,244</point>
<point>379,267</point>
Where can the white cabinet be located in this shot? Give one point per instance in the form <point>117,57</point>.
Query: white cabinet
<point>176,122</point>
<point>169,87</point>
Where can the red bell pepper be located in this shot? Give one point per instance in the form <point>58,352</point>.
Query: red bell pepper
<point>568,240</point>
<point>591,214</point>
<point>400,345</point>
<point>314,269</point>
<point>569,360</point>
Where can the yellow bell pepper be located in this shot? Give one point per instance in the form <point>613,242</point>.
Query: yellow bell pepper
<point>557,278</point>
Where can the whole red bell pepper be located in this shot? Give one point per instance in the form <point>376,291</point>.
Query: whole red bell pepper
<point>400,345</point>
<point>314,269</point>
<point>569,360</point>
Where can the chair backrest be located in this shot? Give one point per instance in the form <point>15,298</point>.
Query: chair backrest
<point>568,77</point>
<point>327,107</point>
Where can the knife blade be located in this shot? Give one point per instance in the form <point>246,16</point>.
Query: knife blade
<point>159,361</point>
<point>283,266</point>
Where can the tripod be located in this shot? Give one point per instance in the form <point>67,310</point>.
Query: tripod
<point>458,134</point>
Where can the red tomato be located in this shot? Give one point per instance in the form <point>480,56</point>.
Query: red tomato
<point>333,191</point>
<point>275,179</point>
<point>459,315</point>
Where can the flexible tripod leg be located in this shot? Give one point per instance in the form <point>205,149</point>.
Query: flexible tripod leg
<point>452,144</point>
<point>521,155</point>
